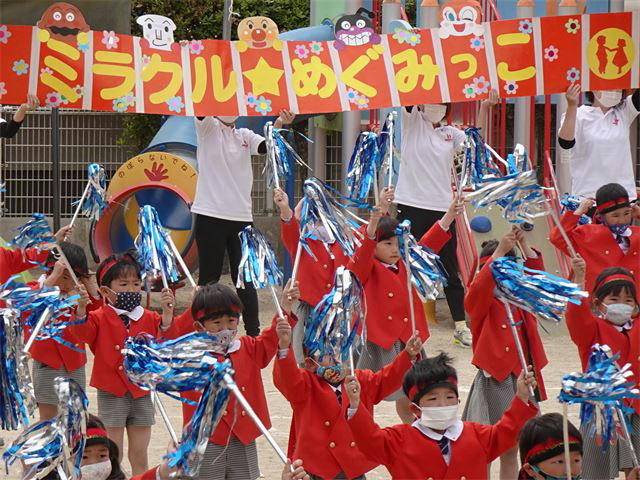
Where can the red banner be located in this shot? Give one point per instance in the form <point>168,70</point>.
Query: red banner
<point>522,57</point>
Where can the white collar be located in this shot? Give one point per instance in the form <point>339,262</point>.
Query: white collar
<point>234,346</point>
<point>452,433</point>
<point>135,314</point>
<point>624,327</point>
<point>334,388</point>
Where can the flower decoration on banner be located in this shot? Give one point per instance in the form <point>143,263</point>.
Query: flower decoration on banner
<point>63,100</point>
<point>146,60</point>
<point>469,90</point>
<point>301,51</point>
<point>407,36</point>
<point>175,104</point>
<point>53,99</point>
<point>83,46</point>
<point>477,43</point>
<point>3,90</point>
<point>20,67</point>
<point>551,53</point>
<point>46,70</point>
<point>262,105</point>
<point>121,104</point>
<point>353,95</point>
<point>316,48</point>
<point>526,26</point>
<point>110,39</point>
<point>196,47</point>
<point>79,90</point>
<point>251,99</point>
<point>362,102</point>
<point>4,34</point>
<point>481,85</point>
<point>511,87</point>
<point>572,25</point>
<point>573,74</point>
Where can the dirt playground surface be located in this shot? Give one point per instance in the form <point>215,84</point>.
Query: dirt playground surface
<point>562,354</point>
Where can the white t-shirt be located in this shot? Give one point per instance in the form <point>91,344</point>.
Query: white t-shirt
<point>602,153</point>
<point>426,159</point>
<point>225,174</point>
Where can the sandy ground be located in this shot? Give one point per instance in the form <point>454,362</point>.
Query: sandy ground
<point>563,358</point>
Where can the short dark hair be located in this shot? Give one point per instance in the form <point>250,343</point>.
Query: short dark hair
<point>114,453</point>
<point>76,256</point>
<point>117,266</point>
<point>614,287</point>
<point>611,192</point>
<point>386,228</point>
<point>428,374</point>
<point>541,429</point>
<point>489,246</point>
<point>215,300</point>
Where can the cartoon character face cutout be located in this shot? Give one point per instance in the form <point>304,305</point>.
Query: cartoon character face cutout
<point>157,30</point>
<point>258,32</point>
<point>357,29</point>
<point>63,21</point>
<point>460,18</point>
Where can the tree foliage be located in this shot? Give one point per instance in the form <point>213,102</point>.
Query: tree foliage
<point>201,19</point>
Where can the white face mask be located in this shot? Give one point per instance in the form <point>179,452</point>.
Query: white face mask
<point>439,418</point>
<point>609,98</point>
<point>97,471</point>
<point>618,313</point>
<point>229,119</point>
<point>223,340</point>
<point>434,113</point>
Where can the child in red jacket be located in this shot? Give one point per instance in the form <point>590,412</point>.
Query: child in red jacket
<point>121,404</point>
<point>52,359</point>
<point>611,240</point>
<point>318,398</point>
<point>315,275</point>
<point>494,348</point>
<point>384,278</point>
<point>232,452</point>
<point>610,318</point>
<point>437,444</point>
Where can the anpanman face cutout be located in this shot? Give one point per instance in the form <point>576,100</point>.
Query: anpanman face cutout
<point>63,21</point>
<point>460,18</point>
<point>258,32</point>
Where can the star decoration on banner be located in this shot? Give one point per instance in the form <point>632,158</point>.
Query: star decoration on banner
<point>264,78</point>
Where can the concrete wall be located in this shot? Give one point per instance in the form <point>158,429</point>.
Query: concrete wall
<point>270,226</point>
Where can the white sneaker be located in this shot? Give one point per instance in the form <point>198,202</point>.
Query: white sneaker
<point>462,336</point>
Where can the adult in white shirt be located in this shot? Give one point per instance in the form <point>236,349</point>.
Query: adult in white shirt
<point>598,137</point>
<point>424,190</point>
<point>8,129</point>
<point>222,205</point>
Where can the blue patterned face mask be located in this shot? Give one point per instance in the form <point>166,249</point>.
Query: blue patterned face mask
<point>551,477</point>
<point>617,229</point>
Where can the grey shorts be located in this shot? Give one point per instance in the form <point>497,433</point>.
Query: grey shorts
<point>43,379</point>
<point>234,461</point>
<point>488,399</point>
<point>125,411</point>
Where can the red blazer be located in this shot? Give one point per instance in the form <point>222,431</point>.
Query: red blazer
<point>388,313</point>
<point>255,353</point>
<point>598,247</point>
<point>54,354</point>
<point>148,475</point>
<point>314,274</point>
<point>494,348</point>
<point>105,334</point>
<point>323,439</point>
<point>408,454</point>
<point>586,330</point>
<point>13,262</point>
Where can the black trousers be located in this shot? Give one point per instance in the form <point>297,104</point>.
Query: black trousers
<point>421,222</point>
<point>214,237</point>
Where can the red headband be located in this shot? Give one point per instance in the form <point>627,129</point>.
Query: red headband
<point>96,432</point>
<point>112,263</point>
<point>548,444</point>
<point>413,391</point>
<point>613,203</point>
<point>612,278</point>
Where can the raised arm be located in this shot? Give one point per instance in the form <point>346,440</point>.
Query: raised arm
<point>569,222</point>
<point>581,322</point>
<point>567,132</point>
<point>485,108</point>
